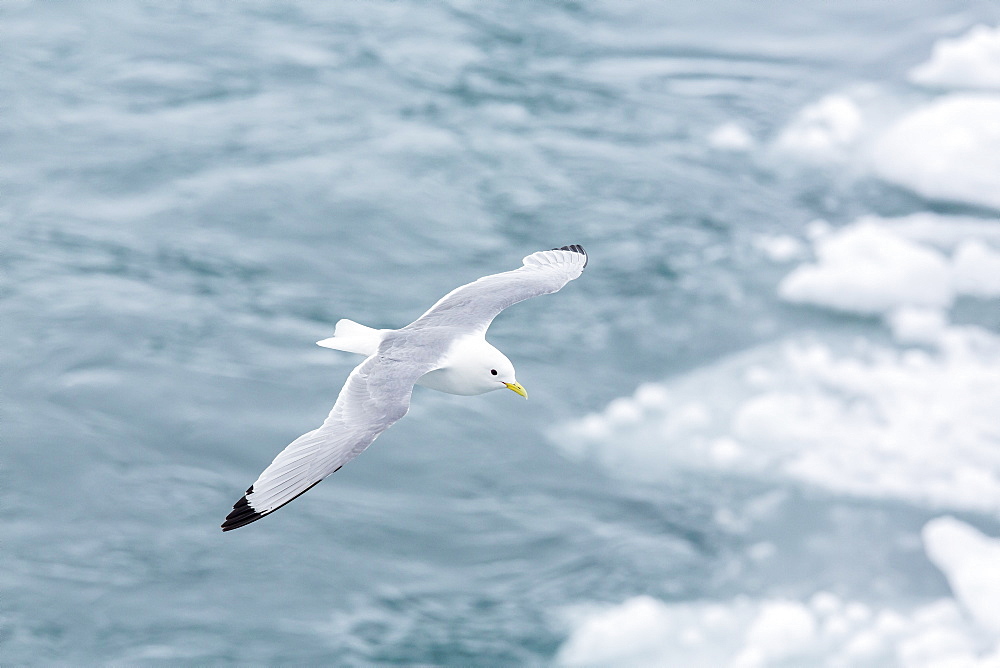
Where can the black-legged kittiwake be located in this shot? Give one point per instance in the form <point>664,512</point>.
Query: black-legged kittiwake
<point>444,349</point>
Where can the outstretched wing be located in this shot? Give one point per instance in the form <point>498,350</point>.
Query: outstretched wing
<point>476,304</point>
<point>376,395</point>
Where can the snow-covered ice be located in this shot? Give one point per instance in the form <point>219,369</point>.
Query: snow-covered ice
<point>823,630</point>
<point>861,418</point>
<point>878,266</point>
<point>781,247</point>
<point>867,421</point>
<point>970,61</point>
<point>906,413</point>
<point>866,269</point>
<point>915,325</point>
<point>947,150</point>
<point>977,269</point>
<point>971,562</point>
<point>731,137</point>
<point>823,130</point>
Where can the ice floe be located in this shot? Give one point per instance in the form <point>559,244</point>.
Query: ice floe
<point>943,232</point>
<point>824,630</point>
<point>947,150</point>
<point>780,247</point>
<point>911,418</point>
<point>969,61</point>
<point>915,325</point>
<point>861,418</point>
<point>977,269</point>
<point>971,562</point>
<point>873,421</point>
<point>916,264</point>
<point>823,130</point>
<point>865,268</point>
<point>731,137</point>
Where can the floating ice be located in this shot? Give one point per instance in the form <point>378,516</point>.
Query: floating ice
<point>866,269</point>
<point>969,61</point>
<point>872,421</point>
<point>900,268</point>
<point>731,137</point>
<point>780,629</point>
<point>753,634</point>
<point>823,631</point>
<point>917,325</point>
<point>977,269</point>
<point>781,247</point>
<point>822,130</point>
<point>943,232</point>
<point>948,150</point>
<point>971,562</point>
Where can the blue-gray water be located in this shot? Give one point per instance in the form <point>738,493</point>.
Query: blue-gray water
<point>192,194</point>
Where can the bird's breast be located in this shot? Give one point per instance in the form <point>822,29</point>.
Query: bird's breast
<point>446,380</point>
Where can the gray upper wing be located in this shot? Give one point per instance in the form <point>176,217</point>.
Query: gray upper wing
<point>475,305</point>
<point>375,396</point>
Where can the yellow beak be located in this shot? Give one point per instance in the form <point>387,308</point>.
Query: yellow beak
<point>516,387</point>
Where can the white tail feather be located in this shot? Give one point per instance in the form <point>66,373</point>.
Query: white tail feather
<point>352,337</point>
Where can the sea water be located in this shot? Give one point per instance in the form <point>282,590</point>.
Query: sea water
<point>763,426</point>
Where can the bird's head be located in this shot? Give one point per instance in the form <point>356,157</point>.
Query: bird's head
<point>473,366</point>
<point>498,372</point>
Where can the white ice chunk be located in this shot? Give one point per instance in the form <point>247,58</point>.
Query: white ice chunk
<point>969,61</point>
<point>824,631</point>
<point>629,634</point>
<point>781,247</point>
<point>818,228</point>
<point>914,325</point>
<point>971,562</point>
<point>822,130</point>
<point>972,243</point>
<point>943,232</point>
<point>652,396</point>
<point>867,269</point>
<point>782,628</point>
<point>916,424</point>
<point>744,633</point>
<point>977,269</point>
<point>948,150</point>
<point>731,137</point>
<point>867,420</point>
<point>825,603</point>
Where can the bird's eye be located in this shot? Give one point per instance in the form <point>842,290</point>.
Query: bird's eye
<point>493,371</point>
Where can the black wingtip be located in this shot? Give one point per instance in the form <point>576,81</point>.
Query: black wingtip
<point>576,248</point>
<point>242,514</point>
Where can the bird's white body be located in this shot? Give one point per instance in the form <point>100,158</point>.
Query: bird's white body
<point>465,369</point>
<point>444,349</point>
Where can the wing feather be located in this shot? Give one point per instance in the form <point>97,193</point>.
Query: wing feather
<point>375,396</point>
<point>476,304</point>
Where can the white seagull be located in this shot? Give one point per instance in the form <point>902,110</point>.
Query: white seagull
<point>444,349</point>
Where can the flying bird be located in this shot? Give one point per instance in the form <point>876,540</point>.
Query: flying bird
<point>444,349</point>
